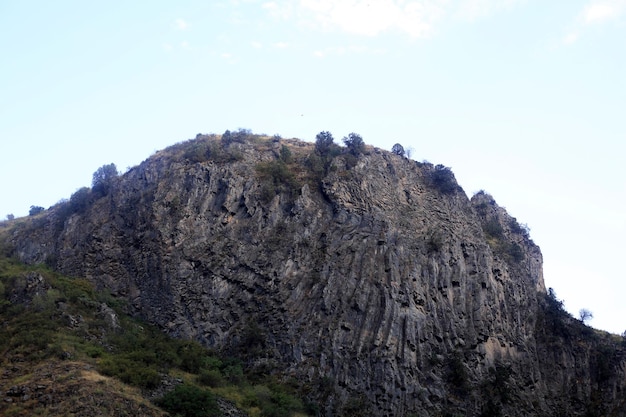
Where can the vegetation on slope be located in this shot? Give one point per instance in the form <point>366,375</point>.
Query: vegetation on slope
<point>67,349</point>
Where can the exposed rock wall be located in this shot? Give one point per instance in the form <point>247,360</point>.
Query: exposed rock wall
<point>368,283</point>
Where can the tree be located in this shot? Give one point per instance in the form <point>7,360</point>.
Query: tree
<point>227,137</point>
<point>80,200</point>
<point>442,178</point>
<point>35,210</point>
<point>355,143</point>
<point>10,216</point>
<point>398,149</point>
<point>103,179</point>
<point>323,142</point>
<point>585,315</point>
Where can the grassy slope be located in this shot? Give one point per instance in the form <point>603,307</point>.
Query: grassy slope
<point>63,353</point>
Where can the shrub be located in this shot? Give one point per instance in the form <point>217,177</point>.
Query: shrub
<point>211,378</point>
<point>198,151</point>
<point>233,371</point>
<point>520,229</point>
<point>227,137</point>
<point>34,210</point>
<point>280,404</point>
<point>278,178</point>
<point>192,356</point>
<point>80,200</point>
<point>493,229</point>
<point>356,406</point>
<point>456,374</point>
<point>189,401</point>
<point>323,142</point>
<point>131,371</point>
<point>241,135</point>
<point>398,149</point>
<point>442,179</point>
<point>315,163</point>
<point>434,242</point>
<point>514,251</point>
<point>355,144</point>
<point>103,179</point>
<point>285,154</point>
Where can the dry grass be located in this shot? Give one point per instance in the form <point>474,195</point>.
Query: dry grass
<point>68,388</point>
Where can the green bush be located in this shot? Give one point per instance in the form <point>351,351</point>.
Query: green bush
<point>324,142</point>
<point>514,251</point>
<point>456,374</point>
<point>441,178</point>
<point>276,178</point>
<point>35,210</point>
<point>211,378</point>
<point>80,200</point>
<point>197,151</point>
<point>129,370</point>
<point>103,179</point>
<point>493,229</point>
<point>398,149</point>
<point>233,372</point>
<point>355,144</point>
<point>192,356</point>
<point>273,401</point>
<point>189,401</point>
<point>285,154</point>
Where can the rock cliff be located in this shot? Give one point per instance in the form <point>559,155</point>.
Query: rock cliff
<point>369,278</point>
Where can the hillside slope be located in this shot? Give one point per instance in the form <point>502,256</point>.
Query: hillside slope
<point>370,278</point>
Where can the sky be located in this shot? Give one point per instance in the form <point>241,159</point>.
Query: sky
<point>524,99</point>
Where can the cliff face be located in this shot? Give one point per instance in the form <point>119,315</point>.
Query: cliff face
<point>372,279</point>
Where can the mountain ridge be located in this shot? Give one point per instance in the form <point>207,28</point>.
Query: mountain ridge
<point>353,269</point>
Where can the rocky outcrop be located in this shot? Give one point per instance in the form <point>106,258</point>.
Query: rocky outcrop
<point>370,278</point>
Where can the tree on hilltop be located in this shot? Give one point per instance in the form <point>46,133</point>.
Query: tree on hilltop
<point>323,142</point>
<point>103,179</point>
<point>398,149</point>
<point>585,315</point>
<point>35,210</point>
<point>355,143</point>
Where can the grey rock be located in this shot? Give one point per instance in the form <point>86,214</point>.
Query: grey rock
<point>371,285</point>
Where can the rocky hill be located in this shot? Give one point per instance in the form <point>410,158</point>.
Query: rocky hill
<point>369,278</point>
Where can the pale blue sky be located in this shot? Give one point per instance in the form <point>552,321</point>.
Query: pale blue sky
<point>522,98</point>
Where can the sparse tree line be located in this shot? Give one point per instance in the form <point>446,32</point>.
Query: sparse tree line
<point>102,182</point>
<point>220,150</point>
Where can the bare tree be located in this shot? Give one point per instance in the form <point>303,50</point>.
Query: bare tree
<point>585,315</point>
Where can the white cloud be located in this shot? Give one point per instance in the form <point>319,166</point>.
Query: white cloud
<point>280,11</point>
<point>338,50</point>
<point>595,13</point>
<point>602,11</point>
<point>474,9</point>
<point>371,17</point>
<point>417,18</point>
<point>180,24</point>
<point>342,50</point>
<point>571,38</point>
<point>281,45</point>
